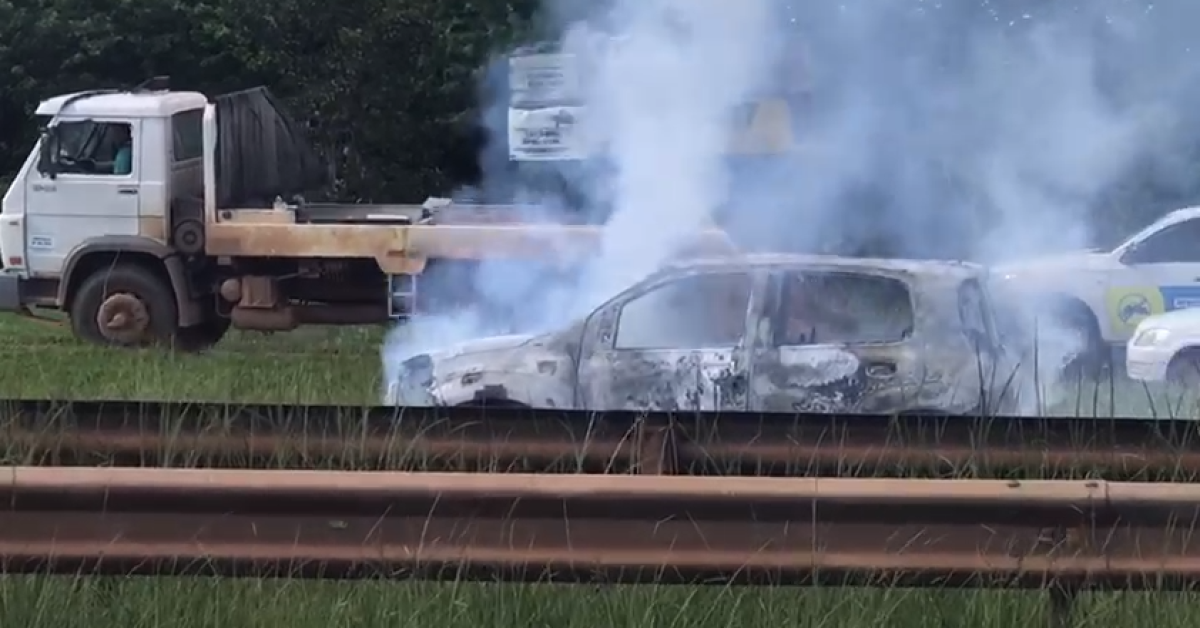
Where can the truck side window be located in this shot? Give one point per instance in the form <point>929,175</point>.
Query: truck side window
<point>1175,244</point>
<point>95,148</point>
<point>843,308</point>
<point>187,134</point>
<point>700,311</point>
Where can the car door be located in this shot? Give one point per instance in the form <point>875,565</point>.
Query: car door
<point>837,340</point>
<point>674,344</point>
<point>1159,274</point>
<point>85,198</point>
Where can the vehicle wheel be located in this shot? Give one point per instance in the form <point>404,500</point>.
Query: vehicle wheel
<point>203,336</point>
<point>1091,362</point>
<point>125,305</point>
<point>1184,369</point>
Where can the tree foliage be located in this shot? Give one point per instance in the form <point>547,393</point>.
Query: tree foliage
<point>388,84</point>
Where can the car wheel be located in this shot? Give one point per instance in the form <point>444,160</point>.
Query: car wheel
<point>125,305</point>
<point>1091,362</point>
<point>1184,369</point>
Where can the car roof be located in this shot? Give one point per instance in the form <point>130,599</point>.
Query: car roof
<point>952,270</point>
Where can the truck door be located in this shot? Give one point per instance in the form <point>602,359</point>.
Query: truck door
<point>1158,274</point>
<point>94,191</point>
<point>678,344</point>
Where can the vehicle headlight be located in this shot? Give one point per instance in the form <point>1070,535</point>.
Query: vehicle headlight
<point>1150,337</point>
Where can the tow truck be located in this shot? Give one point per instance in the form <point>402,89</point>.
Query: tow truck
<point>152,216</point>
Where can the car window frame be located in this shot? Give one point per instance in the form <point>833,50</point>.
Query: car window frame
<point>778,312</point>
<point>1128,257</point>
<point>617,311</point>
<point>991,329</point>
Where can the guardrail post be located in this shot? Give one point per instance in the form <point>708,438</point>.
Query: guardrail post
<point>656,447</point>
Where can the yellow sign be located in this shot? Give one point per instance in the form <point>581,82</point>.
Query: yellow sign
<point>1128,306</point>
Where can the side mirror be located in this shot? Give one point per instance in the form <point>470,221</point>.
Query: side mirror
<point>47,155</point>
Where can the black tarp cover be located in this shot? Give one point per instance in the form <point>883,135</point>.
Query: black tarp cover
<point>261,152</point>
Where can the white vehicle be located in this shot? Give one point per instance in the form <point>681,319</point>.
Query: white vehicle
<point>1106,294</point>
<point>157,216</point>
<point>1166,347</point>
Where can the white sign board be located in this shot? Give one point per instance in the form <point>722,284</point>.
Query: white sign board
<point>549,134</point>
<point>543,79</point>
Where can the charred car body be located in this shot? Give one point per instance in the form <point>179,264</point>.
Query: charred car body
<point>771,333</point>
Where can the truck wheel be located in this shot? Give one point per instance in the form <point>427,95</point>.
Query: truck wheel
<point>203,336</point>
<point>125,305</point>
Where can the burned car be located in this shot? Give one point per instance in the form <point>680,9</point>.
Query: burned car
<point>760,333</point>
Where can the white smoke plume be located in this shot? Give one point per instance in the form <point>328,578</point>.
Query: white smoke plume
<point>663,81</point>
<point>978,130</point>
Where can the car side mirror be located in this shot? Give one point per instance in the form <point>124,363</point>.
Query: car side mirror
<point>47,155</point>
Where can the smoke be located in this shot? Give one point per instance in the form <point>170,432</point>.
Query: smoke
<point>664,80</point>
<point>980,130</point>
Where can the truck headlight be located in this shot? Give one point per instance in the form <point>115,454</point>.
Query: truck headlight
<point>1150,337</point>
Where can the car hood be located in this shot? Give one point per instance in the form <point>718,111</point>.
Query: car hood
<point>1072,261</point>
<point>532,370</point>
<point>480,345</point>
<point>1178,320</point>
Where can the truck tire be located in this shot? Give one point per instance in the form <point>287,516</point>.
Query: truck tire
<point>125,305</point>
<point>202,337</point>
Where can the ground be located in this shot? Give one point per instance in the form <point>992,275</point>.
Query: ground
<point>312,365</point>
<point>342,366</point>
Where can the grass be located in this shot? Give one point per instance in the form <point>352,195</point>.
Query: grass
<point>342,366</point>
<point>35,602</point>
<point>312,365</point>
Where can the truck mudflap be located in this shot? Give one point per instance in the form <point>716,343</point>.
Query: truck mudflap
<point>10,294</point>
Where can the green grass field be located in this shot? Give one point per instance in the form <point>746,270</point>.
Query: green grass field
<point>343,366</point>
<point>312,365</point>
<point>39,602</point>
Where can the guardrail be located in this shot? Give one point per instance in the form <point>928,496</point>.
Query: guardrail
<point>508,439</point>
<point>1064,536</point>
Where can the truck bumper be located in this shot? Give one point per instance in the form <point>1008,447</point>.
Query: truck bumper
<point>10,293</point>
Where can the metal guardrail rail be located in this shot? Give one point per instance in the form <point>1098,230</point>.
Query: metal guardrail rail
<point>1064,536</point>
<point>515,440</point>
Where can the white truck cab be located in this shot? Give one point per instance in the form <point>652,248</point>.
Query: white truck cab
<point>98,186</point>
<point>69,190</point>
